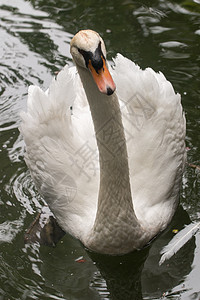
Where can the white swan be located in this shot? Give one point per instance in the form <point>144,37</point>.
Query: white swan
<point>109,164</point>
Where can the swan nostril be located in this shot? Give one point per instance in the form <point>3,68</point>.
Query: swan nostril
<point>109,91</point>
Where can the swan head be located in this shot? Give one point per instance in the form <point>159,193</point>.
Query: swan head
<point>88,51</point>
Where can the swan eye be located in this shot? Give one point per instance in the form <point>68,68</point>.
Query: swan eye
<point>86,55</point>
<point>81,51</point>
<point>96,57</point>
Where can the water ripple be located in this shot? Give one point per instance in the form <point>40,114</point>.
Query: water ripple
<point>10,229</point>
<point>22,62</point>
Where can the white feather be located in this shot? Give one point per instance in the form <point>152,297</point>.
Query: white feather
<point>178,241</point>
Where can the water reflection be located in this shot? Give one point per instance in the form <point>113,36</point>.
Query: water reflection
<point>122,274</point>
<point>132,276</point>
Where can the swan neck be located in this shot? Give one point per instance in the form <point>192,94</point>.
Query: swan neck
<point>109,131</point>
<point>115,200</point>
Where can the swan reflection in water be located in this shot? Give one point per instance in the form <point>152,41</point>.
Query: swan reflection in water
<point>131,276</point>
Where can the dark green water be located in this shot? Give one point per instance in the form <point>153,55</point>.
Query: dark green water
<point>34,43</point>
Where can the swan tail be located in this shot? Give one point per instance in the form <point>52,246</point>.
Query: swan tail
<point>178,241</point>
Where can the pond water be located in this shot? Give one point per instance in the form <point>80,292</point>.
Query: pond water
<point>34,39</point>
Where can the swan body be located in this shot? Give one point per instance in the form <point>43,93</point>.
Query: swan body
<point>108,163</point>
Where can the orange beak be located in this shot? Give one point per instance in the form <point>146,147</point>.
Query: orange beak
<point>102,78</point>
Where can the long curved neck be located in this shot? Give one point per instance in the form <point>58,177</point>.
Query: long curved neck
<point>115,200</point>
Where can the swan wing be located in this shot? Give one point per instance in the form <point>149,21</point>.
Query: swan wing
<point>61,150</point>
<point>154,125</point>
